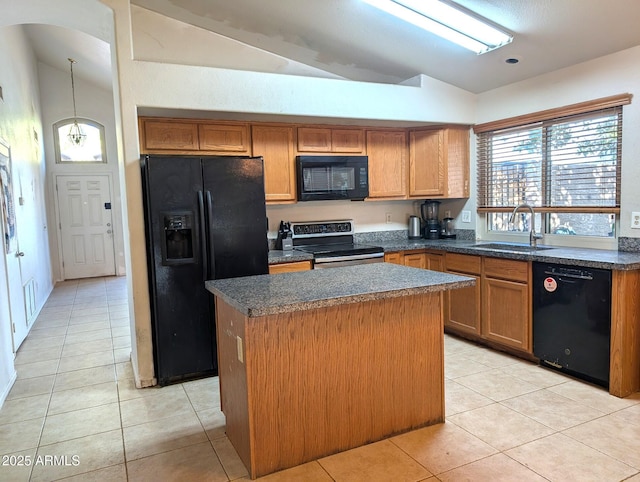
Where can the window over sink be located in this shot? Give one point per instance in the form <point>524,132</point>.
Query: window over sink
<point>565,163</point>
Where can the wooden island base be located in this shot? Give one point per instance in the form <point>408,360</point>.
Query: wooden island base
<point>302,385</point>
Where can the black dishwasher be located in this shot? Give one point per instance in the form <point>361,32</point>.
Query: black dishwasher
<point>572,320</point>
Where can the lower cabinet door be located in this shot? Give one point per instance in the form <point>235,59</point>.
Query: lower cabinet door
<point>506,309</point>
<point>463,307</point>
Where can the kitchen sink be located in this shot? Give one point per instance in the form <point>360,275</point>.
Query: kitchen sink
<point>521,248</point>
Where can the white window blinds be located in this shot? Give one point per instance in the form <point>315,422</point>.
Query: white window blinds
<point>564,164</point>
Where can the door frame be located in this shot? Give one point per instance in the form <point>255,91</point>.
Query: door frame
<point>58,228</point>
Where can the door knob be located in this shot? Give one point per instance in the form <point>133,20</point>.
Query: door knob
<point>20,254</point>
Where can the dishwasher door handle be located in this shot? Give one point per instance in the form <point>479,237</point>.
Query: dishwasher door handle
<point>568,275</point>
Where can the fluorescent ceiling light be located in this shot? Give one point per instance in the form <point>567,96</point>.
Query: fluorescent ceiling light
<point>448,21</point>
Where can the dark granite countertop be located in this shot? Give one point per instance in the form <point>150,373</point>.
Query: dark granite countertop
<point>586,257</point>
<point>263,295</point>
<point>277,256</point>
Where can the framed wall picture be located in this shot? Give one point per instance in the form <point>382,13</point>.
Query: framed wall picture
<point>6,199</point>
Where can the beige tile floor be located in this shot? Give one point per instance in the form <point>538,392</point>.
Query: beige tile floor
<point>74,397</point>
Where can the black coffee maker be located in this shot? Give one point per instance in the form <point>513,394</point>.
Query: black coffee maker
<point>429,212</point>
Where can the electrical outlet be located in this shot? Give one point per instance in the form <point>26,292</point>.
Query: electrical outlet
<point>635,220</point>
<point>388,218</point>
<point>239,348</point>
<point>466,216</point>
<point>447,214</point>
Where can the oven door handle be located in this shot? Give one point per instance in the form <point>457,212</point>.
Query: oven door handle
<point>350,257</point>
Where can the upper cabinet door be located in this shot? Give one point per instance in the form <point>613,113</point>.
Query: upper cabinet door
<point>439,163</point>
<point>427,167</point>
<point>275,145</point>
<point>387,151</point>
<point>225,138</point>
<point>457,142</point>
<point>329,139</point>
<point>311,139</point>
<point>168,136</point>
<point>165,135</point>
<point>347,140</point>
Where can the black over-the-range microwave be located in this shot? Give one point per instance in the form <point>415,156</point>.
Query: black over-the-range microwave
<point>322,178</point>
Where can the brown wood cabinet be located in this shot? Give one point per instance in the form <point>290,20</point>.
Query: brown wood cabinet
<point>225,138</point>
<point>416,260</point>
<point>330,139</point>
<point>182,136</point>
<point>506,302</point>
<point>424,259</point>
<point>498,308</point>
<point>395,258</point>
<point>387,151</point>
<point>439,163</point>
<point>403,163</point>
<point>275,144</point>
<point>624,370</point>
<point>435,260</point>
<point>463,306</point>
<point>290,267</point>
<point>161,136</point>
<point>286,376</point>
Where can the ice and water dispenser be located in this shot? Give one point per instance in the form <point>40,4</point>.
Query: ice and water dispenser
<point>177,245</point>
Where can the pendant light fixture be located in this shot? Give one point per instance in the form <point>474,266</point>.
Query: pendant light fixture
<point>76,135</point>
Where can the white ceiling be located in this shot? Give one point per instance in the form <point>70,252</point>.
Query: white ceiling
<point>354,40</point>
<point>54,45</point>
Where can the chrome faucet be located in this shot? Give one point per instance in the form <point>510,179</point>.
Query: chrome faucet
<point>533,236</point>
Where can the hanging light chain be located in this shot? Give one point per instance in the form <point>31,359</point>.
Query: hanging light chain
<point>76,136</point>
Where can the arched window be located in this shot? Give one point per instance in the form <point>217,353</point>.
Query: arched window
<point>91,150</point>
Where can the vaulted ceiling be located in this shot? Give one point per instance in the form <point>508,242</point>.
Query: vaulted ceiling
<point>357,41</point>
<point>353,40</point>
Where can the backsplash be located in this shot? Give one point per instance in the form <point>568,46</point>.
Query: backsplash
<point>395,235</point>
<point>380,236</point>
<point>630,245</point>
<point>403,234</point>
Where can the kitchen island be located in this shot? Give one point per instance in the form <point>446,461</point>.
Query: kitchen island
<point>316,362</point>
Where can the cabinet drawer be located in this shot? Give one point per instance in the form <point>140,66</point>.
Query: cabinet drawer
<point>463,263</point>
<point>506,269</point>
<point>416,260</point>
<point>395,258</point>
<point>290,267</point>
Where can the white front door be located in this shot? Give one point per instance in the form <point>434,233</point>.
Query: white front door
<point>86,226</point>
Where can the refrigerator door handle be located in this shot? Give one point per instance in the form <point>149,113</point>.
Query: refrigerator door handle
<point>203,237</point>
<point>210,223</point>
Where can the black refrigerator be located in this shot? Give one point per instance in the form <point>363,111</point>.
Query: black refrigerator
<point>205,219</point>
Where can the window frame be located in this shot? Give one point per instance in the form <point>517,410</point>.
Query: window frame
<point>81,120</point>
<point>550,117</point>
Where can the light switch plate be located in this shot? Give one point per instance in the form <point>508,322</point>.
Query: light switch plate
<point>239,347</point>
<point>466,216</point>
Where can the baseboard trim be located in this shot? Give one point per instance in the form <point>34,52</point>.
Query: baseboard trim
<point>5,392</point>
